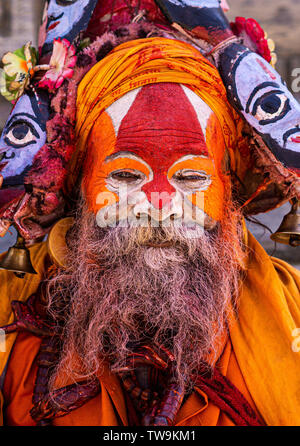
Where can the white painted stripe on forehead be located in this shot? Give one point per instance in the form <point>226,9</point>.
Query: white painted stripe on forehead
<point>202,110</point>
<point>119,109</point>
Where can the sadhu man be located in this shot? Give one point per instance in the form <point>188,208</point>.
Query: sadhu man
<point>164,309</point>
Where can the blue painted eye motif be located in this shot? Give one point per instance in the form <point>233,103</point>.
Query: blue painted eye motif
<point>271,107</point>
<point>21,134</point>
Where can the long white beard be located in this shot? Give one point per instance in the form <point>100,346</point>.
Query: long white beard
<point>123,293</point>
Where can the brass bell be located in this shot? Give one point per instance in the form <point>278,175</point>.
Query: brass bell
<point>17,259</point>
<point>288,232</point>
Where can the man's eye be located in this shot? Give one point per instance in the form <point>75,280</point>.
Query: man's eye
<point>271,107</point>
<point>20,134</point>
<point>195,177</point>
<point>187,180</point>
<point>125,176</point>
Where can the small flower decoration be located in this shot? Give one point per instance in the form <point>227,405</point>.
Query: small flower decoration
<point>255,38</point>
<point>61,65</point>
<point>18,69</point>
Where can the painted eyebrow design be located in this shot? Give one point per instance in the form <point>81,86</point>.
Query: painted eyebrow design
<point>27,116</point>
<point>123,154</point>
<point>257,89</point>
<point>131,155</point>
<point>188,158</point>
<point>52,19</point>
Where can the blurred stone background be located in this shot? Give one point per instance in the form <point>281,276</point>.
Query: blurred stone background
<point>19,23</point>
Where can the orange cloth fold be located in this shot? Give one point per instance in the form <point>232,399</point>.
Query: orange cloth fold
<point>264,335</point>
<point>108,408</point>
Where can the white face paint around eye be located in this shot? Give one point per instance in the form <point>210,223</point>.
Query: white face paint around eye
<point>66,18</point>
<point>23,136</point>
<point>123,181</point>
<point>266,102</point>
<point>188,181</point>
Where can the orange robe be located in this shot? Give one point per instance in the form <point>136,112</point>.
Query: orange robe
<point>261,357</point>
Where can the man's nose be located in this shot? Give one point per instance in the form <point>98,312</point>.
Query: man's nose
<point>144,209</point>
<point>159,192</point>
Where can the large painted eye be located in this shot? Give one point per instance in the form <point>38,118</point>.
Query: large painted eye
<point>271,107</point>
<point>20,134</point>
<point>65,2</point>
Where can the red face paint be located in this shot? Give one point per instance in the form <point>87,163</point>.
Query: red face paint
<point>160,127</point>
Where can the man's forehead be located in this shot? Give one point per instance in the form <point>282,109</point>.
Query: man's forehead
<point>159,97</point>
<point>131,155</point>
<point>160,122</point>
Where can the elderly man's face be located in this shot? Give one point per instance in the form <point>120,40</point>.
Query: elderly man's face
<point>66,18</point>
<point>156,153</point>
